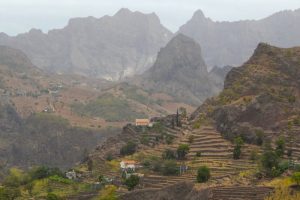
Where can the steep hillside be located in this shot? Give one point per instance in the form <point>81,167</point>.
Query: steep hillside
<point>42,139</point>
<point>232,43</point>
<point>180,72</point>
<point>110,47</point>
<point>260,97</point>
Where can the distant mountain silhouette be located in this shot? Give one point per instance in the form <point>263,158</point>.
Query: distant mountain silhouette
<point>111,47</point>
<point>232,43</point>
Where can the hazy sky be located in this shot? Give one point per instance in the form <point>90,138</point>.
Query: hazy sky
<point>17,16</point>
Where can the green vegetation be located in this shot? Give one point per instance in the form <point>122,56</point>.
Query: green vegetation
<point>182,151</point>
<point>39,183</point>
<point>198,154</point>
<point>259,137</point>
<point>270,163</point>
<point>128,149</point>
<point>169,154</point>
<point>238,143</point>
<point>108,107</point>
<point>296,178</point>
<point>203,174</point>
<point>280,147</point>
<point>170,167</point>
<point>132,182</point>
<point>108,193</point>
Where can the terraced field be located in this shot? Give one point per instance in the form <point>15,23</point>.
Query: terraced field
<point>240,193</point>
<point>216,153</point>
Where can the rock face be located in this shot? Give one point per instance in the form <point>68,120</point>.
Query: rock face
<point>217,75</point>
<point>263,95</point>
<point>232,43</point>
<point>110,47</point>
<point>180,71</point>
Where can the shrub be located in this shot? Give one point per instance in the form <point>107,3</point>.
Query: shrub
<point>203,174</point>
<point>145,140</point>
<point>52,196</point>
<point>109,157</point>
<point>170,168</point>
<point>238,142</point>
<point>269,162</point>
<point>280,147</point>
<point>169,139</point>
<point>9,193</point>
<point>168,154</point>
<point>108,193</point>
<point>296,178</point>
<point>198,154</point>
<point>128,149</point>
<point>191,139</point>
<point>182,151</point>
<point>131,182</point>
<point>259,137</point>
<point>44,172</point>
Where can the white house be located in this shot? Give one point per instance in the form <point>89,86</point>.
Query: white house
<point>128,165</point>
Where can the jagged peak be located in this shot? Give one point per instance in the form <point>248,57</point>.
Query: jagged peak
<point>199,14</point>
<point>123,11</point>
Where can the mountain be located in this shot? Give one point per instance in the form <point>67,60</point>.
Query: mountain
<point>111,47</point>
<point>260,99</point>
<point>232,43</point>
<point>218,74</point>
<point>179,71</point>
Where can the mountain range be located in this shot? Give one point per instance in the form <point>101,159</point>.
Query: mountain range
<point>111,47</point>
<point>126,44</point>
<point>232,43</point>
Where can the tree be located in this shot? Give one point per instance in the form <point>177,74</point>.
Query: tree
<point>168,154</point>
<point>269,161</point>
<point>238,143</point>
<point>203,174</point>
<point>280,147</point>
<point>296,178</point>
<point>182,151</point>
<point>183,111</point>
<point>131,182</point>
<point>128,149</point>
<point>170,167</point>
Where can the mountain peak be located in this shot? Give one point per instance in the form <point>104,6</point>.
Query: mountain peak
<point>199,14</point>
<point>123,11</point>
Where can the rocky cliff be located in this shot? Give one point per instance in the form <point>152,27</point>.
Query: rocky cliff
<point>111,47</point>
<point>180,71</point>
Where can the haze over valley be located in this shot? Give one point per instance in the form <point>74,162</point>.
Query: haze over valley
<point>121,107</point>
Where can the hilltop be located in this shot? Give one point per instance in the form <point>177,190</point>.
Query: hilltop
<point>260,96</point>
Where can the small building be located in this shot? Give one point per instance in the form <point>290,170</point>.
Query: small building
<point>143,122</point>
<point>130,165</point>
<point>71,175</point>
